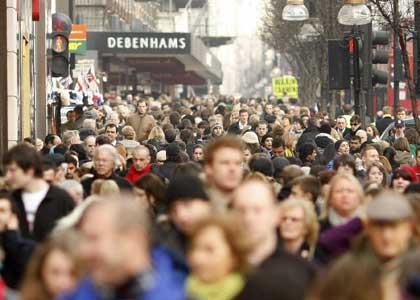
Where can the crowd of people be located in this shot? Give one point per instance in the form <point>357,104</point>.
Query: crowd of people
<point>212,199</point>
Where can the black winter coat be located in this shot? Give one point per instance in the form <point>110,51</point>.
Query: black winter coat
<point>56,204</point>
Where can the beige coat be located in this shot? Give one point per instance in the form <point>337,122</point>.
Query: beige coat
<point>142,125</point>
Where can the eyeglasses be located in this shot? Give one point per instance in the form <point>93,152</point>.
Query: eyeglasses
<point>354,124</point>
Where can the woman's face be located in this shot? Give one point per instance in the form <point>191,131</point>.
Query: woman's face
<point>399,184</point>
<point>344,198</point>
<point>286,122</point>
<point>292,223</point>
<point>344,148</point>
<point>211,257</point>
<point>58,273</point>
<point>375,175</point>
<point>268,143</point>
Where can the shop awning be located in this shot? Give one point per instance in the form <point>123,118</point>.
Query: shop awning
<point>175,58</point>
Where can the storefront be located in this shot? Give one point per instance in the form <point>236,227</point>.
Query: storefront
<point>147,58</point>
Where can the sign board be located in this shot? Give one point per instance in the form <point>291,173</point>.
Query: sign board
<point>77,39</point>
<point>140,42</point>
<point>285,86</point>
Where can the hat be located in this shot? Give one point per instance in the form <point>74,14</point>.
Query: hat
<point>262,164</point>
<point>389,206</point>
<point>172,149</point>
<point>250,137</point>
<point>185,187</point>
<point>279,163</point>
<point>399,123</point>
<point>217,125</point>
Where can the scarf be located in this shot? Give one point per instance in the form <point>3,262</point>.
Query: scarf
<point>225,289</point>
<point>336,220</point>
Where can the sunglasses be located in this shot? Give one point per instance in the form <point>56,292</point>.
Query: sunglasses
<point>354,124</point>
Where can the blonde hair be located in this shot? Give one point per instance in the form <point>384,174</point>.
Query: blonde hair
<point>109,188</point>
<point>342,176</point>
<point>156,132</point>
<point>310,218</point>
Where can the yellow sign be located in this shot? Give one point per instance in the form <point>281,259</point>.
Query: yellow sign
<point>285,86</point>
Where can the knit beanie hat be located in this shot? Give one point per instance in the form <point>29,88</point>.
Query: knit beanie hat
<point>261,164</point>
<point>185,187</point>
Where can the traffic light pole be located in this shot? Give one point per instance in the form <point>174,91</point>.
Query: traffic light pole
<point>397,58</point>
<point>356,79</point>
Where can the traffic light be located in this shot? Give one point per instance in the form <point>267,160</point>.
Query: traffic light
<point>380,56</point>
<point>61,25</point>
<point>338,64</point>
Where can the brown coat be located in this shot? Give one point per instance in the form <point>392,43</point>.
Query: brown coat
<point>141,124</point>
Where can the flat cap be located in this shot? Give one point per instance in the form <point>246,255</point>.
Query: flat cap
<point>250,137</point>
<point>389,206</point>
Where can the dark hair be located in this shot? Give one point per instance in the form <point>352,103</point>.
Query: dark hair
<point>170,135</point>
<point>266,136</point>
<point>6,195</point>
<point>70,160</point>
<point>60,149</point>
<point>325,127</point>
<point>308,184</point>
<point>186,135</point>
<point>153,187</point>
<point>49,138</point>
<point>26,157</point>
<point>102,140</point>
<point>345,160</point>
<point>259,162</point>
<point>401,173</point>
<point>278,142</point>
<point>111,125</point>
<point>306,150</point>
<point>356,119</point>
<point>243,110</point>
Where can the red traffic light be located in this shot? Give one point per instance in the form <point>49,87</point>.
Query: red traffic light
<point>61,23</point>
<point>351,46</point>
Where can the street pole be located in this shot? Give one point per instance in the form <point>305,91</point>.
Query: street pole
<point>356,79</point>
<point>397,58</point>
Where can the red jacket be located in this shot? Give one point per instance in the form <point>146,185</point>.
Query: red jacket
<point>133,175</point>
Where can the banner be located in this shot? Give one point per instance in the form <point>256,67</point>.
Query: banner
<point>285,86</point>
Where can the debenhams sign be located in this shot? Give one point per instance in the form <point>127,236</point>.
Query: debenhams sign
<point>142,42</point>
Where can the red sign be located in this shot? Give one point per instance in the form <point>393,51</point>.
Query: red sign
<point>35,10</point>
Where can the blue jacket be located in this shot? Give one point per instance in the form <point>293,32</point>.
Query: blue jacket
<point>167,286</point>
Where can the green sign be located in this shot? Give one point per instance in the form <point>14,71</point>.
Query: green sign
<point>77,46</point>
<point>285,86</point>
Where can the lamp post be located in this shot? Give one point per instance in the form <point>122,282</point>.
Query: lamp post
<point>354,12</point>
<point>295,10</point>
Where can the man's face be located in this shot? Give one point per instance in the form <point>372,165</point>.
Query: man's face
<point>354,145</point>
<point>141,159</point>
<point>71,171</point>
<point>243,117</point>
<point>262,130</point>
<point>186,213</point>
<point>256,209</point>
<point>16,177</point>
<point>389,239</point>
<point>104,163</point>
<point>198,154</point>
<point>341,123</point>
<point>354,125</point>
<point>269,109</point>
<point>71,116</point>
<point>401,115</point>
<point>101,247</point>
<point>278,152</point>
<point>217,131</point>
<point>90,146</point>
<point>111,132</point>
<point>142,108</point>
<point>370,156</point>
<point>225,170</point>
